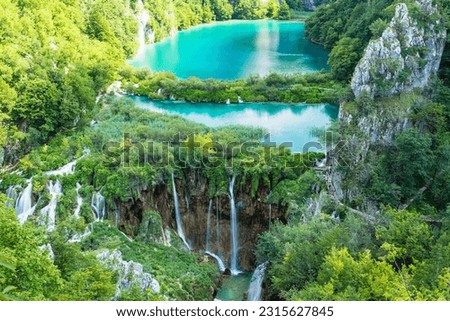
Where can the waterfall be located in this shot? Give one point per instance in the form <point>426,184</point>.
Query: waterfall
<point>142,16</point>
<point>11,193</point>
<point>218,259</point>
<point>240,100</point>
<point>24,202</point>
<point>217,222</point>
<point>98,205</point>
<point>234,268</point>
<point>208,239</point>
<point>76,213</point>
<point>67,169</point>
<point>255,288</point>
<point>208,226</point>
<point>178,215</point>
<point>49,212</point>
<point>116,214</point>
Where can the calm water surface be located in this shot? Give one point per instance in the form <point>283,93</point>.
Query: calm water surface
<point>235,49</point>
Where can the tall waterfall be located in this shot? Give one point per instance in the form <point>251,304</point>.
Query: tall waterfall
<point>49,212</point>
<point>234,264</point>
<point>76,213</point>
<point>255,288</point>
<point>98,205</point>
<point>208,239</point>
<point>208,226</point>
<point>24,207</point>
<point>142,16</point>
<point>180,230</point>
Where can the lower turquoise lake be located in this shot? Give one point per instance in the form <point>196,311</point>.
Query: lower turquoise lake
<point>235,49</point>
<point>286,123</point>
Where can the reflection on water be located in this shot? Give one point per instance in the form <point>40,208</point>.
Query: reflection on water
<point>235,49</point>
<point>284,122</point>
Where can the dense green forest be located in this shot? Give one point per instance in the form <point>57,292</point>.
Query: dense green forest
<point>384,235</point>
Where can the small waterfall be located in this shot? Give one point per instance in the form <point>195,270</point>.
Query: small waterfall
<point>218,259</point>
<point>228,101</point>
<point>76,213</point>
<point>208,226</point>
<point>240,100</point>
<point>67,169</point>
<point>178,215</point>
<point>98,205</point>
<point>116,214</point>
<point>24,208</point>
<point>208,239</point>
<point>218,239</point>
<point>255,288</point>
<point>49,212</point>
<point>142,16</point>
<point>234,268</point>
<point>12,194</point>
<point>78,237</point>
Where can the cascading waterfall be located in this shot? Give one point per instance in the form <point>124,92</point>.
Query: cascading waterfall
<point>12,194</point>
<point>76,213</point>
<point>255,288</point>
<point>208,239</point>
<point>98,205</point>
<point>49,212</point>
<point>24,208</point>
<point>178,215</point>
<point>67,169</point>
<point>234,268</point>
<point>142,16</point>
<point>220,263</point>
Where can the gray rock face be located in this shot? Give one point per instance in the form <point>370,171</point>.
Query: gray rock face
<point>130,273</point>
<point>311,5</point>
<point>406,55</point>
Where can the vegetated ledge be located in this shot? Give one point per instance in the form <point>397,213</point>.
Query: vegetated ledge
<point>318,87</point>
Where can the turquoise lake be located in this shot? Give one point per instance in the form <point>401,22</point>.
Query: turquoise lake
<point>235,49</point>
<point>286,123</point>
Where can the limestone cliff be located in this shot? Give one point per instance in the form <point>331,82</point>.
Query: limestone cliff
<point>254,214</point>
<point>407,54</point>
<point>311,5</point>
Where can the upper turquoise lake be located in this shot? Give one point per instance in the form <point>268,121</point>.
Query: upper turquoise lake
<point>235,49</point>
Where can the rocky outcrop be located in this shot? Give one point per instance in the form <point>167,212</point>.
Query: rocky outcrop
<point>407,54</point>
<point>130,273</point>
<point>311,5</point>
<point>192,189</point>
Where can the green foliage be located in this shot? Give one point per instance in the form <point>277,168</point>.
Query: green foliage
<point>312,88</point>
<point>34,276</point>
<point>284,12</point>
<point>344,57</point>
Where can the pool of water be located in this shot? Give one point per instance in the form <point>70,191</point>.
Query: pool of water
<point>286,123</point>
<point>234,287</point>
<point>235,49</point>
